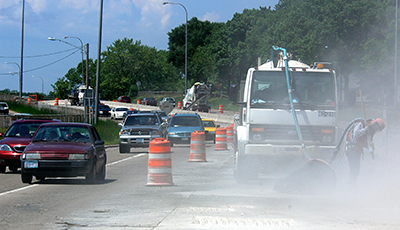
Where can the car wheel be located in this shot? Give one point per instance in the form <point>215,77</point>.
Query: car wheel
<point>13,168</point>
<point>101,176</point>
<point>124,148</point>
<point>26,178</point>
<point>2,169</point>
<point>91,176</point>
<point>171,143</point>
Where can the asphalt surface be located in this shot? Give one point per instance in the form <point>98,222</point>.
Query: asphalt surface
<point>204,195</point>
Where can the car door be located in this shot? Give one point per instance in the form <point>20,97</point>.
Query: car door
<point>100,149</point>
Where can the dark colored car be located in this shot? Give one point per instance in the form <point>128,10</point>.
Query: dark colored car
<point>139,129</point>
<point>64,150</point>
<point>149,101</point>
<point>4,108</point>
<point>129,112</point>
<point>104,110</point>
<point>181,126</point>
<point>15,140</point>
<point>125,99</point>
<point>169,99</point>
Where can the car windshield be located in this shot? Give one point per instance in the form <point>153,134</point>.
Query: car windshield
<point>208,124</point>
<point>104,107</point>
<point>22,129</point>
<point>184,121</point>
<point>121,109</point>
<point>3,105</point>
<point>141,120</point>
<point>63,133</point>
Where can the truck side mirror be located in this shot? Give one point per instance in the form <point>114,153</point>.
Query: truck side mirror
<point>233,92</point>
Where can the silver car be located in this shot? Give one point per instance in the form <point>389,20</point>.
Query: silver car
<point>138,129</point>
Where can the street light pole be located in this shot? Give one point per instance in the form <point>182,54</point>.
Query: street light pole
<point>82,51</point>
<point>20,78</point>
<point>21,67</point>
<point>42,83</point>
<point>186,40</point>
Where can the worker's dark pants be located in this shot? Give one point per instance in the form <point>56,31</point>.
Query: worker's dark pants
<point>354,157</point>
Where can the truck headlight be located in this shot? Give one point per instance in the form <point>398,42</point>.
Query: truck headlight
<point>5,147</point>
<point>124,132</point>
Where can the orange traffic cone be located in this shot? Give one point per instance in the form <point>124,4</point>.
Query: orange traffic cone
<point>220,109</point>
<point>198,146</point>
<point>29,100</point>
<point>229,134</point>
<point>159,164</point>
<point>56,101</point>
<point>179,105</point>
<point>220,139</point>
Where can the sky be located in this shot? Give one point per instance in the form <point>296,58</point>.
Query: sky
<point>45,61</point>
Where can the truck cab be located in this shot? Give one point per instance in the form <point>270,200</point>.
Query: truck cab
<point>266,138</point>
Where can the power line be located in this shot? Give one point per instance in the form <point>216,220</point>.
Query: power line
<point>41,55</point>
<point>41,67</point>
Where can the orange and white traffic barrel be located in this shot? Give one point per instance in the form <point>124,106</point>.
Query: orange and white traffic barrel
<point>179,105</point>
<point>159,164</point>
<point>56,101</point>
<point>220,109</point>
<point>29,100</point>
<point>198,146</point>
<point>138,102</point>
<point>220,139</point>
<point>229,134</point>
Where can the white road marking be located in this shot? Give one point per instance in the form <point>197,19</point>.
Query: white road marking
<point>34,185</point>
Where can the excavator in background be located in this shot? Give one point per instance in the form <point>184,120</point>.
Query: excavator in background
<point>196,98</point>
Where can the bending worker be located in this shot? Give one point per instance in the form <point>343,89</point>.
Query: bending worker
<point>360,137</point>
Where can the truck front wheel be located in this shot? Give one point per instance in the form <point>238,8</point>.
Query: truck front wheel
<point>244,170</point>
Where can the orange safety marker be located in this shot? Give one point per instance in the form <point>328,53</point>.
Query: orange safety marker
<point>198,146</point>
<point>159,164</point>
<point>220,109</point>
<point>56,101</point>
<point>138,102</point>
<point>29,100</point>
<point>179,105</point>
<point>229,134</point>
<point>220,139</point>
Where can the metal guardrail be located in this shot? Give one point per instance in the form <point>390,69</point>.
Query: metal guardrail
<point>7,120</point>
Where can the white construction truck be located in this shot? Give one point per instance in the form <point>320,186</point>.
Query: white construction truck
<point>77,96</point>
<point>196,98</point>
<point>267,130</point>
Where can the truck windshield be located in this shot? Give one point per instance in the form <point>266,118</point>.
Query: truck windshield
<point>309,88</point>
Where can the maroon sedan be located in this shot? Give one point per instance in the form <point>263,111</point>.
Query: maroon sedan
<point>15,140</point>
<point>64,150</point>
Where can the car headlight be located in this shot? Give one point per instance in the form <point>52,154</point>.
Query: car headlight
<point>101,112</point>
<point>124,132</point>
<point>31,156</point>
<point>5,147</point>
<point>77,156</point>
<point>171,133</point>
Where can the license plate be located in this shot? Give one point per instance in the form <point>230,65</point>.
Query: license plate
<point>140,140</point>
<point>185,138</point>
<point>30,164</point>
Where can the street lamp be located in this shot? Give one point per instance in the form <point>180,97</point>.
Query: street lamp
<point>20,77</point>
<point>42,83</point>
<point>186,42</point>
<point>82,51</point>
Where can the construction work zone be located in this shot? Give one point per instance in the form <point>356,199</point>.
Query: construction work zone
<point>159,163</point>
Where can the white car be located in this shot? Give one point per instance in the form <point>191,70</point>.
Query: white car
<point>118,111</point>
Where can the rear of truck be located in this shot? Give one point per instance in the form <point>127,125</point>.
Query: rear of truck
<point>266,139</point>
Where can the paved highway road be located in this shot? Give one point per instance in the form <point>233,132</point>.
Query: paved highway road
<point>204,196</point>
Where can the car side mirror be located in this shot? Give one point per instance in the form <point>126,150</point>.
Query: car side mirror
<point>99,142</point>
<point>120,125</point>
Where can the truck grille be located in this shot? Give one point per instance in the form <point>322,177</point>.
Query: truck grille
<point>140,132</point>
<point>322,134</point>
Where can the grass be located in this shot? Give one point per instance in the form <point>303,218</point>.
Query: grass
<point>22,108</point>
<point>108,131</point>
